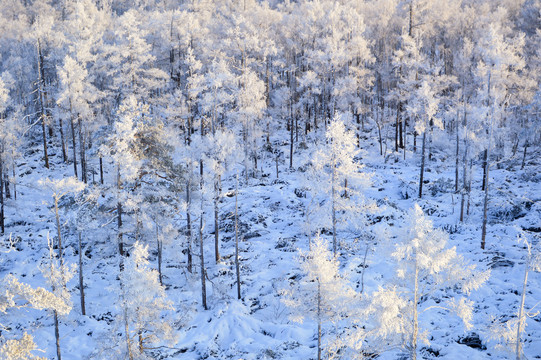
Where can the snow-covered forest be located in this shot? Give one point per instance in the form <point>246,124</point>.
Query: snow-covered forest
<point>269,179</point>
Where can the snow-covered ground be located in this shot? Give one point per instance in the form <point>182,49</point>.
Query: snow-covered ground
<point>271,224</point>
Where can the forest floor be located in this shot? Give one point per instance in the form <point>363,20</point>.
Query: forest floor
<point>271,226</point>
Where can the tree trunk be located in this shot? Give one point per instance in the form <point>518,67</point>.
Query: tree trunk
<point>318,320</point>
<point>159,244</point>
<point>62,140</point>
<point>521,315</point>
<point>396,130</point>
<point>485,161</point>
<point>73,144</point>
<point>82,150</point>
<point>237,265</point>
<point>189,226</point>
<point>333,199</point>
<point>127,333</point>
<point>421,177</point>
<point>42,96</point>
<point>457,155</point>
<point>57,335</point>
<point>415,314</point>
<point>524,156</point>
<point>119,215</point>
<point>14,181</point>
<point>81,284</point>
<point>485,206</point>
<point>57,216</point>
<point>216,219</point>
<point>201,255</point>
<point>291,145</point>
<point>380,137</point>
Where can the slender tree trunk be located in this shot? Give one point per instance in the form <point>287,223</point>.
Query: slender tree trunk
<point>73,144</point>
<point>82,150</point>
<point>159,244</point>
<point>318,320</point>
<point>333,199</point>
<point>189,225</point>
<point>201,256</point>
<point>127,333</point>
<point>101,170</point>
<point>81,284</point>
<point>421,177</point>
<point>14,181</point>
<point>521,315</point>
<point>485,206</point>
<point>42,97</point>
<point>457,156</point>
<point>216,219</point>
<point>57,335</point>
<point>380,136</point>
<point>119,215</point>
<point>237,264</point>
<point>57,216</point>
<point>465,185</point>
<point>400,129</point>
<point>291,145</point>
<point>485,162</point>
<point>396,131</point>
<point>415,314</point>
<point>469,187</point>
<point>524,155</point>
<point>62,140</point>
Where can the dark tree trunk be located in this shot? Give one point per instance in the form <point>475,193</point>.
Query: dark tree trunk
<point>159,244</point>
<point>81,284</point>
<point>73,144</point>
<point>189,227</point>
<point>457,155</point>
<point>485,162</point>
<point>421,177</point>
<point>217,190</point>
<point>237,265</point>
<point>62,140</point>
<point>101,170</point>
<point>119,215</point>
<point>57,336</point>
<point>82,150</point>
<point>202,252</point>
<point>42,101</point>
<point>524,155</point>
<point>485,206</point>
<point>291,145</point>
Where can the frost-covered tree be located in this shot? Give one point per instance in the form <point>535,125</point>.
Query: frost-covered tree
<point>510,332</point>
<point>335,177</point>
<point>143,303</point>
<point>60,188</point>
<point>123,148</point>
<point>16,295</point>
<point>220,155</point>
<point>130,63</point>
<point>57,274</point>
<point>502,83</point>
<point>424,266</point>
<point>323,294</point>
